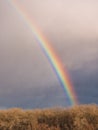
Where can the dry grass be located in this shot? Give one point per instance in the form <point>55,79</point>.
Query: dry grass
<point>84,117</point>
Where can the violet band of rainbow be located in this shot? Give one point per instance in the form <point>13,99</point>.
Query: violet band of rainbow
<point>49,52</point>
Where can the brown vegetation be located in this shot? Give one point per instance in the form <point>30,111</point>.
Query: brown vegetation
<point>84,117</point>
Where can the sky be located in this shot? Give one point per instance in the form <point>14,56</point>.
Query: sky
<point>26,77</point>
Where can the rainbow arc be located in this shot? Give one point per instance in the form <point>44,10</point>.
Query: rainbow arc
<point>49,52</point>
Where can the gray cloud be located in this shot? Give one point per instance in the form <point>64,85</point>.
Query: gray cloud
<point>25,74</point>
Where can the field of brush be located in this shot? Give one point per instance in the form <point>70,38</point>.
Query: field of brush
<point>83,117</point>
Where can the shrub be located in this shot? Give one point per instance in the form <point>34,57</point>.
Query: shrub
<point>83,117</point>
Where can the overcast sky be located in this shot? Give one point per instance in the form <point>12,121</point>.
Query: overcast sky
<point>26,77</point>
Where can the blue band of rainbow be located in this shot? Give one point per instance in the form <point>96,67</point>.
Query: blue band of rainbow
<point>49,52</point>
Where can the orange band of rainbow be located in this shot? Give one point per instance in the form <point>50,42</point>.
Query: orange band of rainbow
<point>49,52</point>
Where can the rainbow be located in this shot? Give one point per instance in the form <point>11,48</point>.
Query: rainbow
<point>49,52</point>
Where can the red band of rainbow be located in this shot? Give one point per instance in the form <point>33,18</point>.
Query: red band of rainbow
<point>49,52</point>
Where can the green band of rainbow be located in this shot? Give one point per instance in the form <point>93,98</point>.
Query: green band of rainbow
<point>55,62</point>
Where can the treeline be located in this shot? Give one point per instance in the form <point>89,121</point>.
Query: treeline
<point>83,117</point>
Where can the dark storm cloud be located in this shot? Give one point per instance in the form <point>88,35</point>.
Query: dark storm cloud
<point>86,85</point>
<point>26,78</point>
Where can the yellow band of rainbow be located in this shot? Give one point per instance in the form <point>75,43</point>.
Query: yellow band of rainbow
<point>49,52</point>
